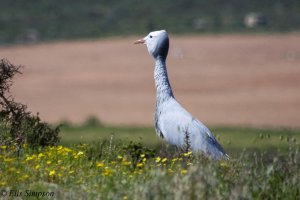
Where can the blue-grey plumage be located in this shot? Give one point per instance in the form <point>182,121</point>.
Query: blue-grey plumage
<point>172,121</point>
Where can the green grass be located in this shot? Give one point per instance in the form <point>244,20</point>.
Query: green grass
<point>232,138</point>
<point>121,170</point>
<point>90,164</point>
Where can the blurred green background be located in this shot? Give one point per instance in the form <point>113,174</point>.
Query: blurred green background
<point>42,20</point>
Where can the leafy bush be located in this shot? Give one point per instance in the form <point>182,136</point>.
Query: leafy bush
<point>17,125</point>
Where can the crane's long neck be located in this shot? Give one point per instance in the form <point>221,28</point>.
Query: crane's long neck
<point>162,84</point>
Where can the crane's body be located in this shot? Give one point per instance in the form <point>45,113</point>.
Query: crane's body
<point>172,122</point>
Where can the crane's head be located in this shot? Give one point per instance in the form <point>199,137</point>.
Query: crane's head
<point>157,43</point>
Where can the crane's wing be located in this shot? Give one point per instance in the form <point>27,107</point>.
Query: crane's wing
<point>176,124</point>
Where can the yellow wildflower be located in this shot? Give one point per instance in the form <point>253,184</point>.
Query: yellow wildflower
<point>37,166</point>
<point>67,149</point>
<point>140,165</point>
<point>126,163</point>
<point>8,159</point>
<point>174,159</point>
<point>144,159</point>
<point>187,154</point>
<point>3,183</point>
<point>164,160</point>
<point>41,155</point>
<point>52,173</point>
<point>59,148</point>
<point>142,155</point>
<point>100,164</point>
<point>157,160</point>
<point>80,153</point>
<point>3,147</point>
<point>184,171</point>
<point>64,151</point>
<point>107,171</point>
<point>12,169</point>
<point>48,162</point>
<point>224,165</point>
<point>71,172</point>
<point>28,158</point>
<point>120,157</point>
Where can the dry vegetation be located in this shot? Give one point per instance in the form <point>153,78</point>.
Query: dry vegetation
<point>221,79</point>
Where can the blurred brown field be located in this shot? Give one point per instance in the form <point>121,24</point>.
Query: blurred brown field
<point>251,80</point>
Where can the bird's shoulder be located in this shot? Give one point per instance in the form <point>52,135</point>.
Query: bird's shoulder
<point>172,106</point>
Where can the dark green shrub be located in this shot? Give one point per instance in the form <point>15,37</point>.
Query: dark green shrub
<point>92,122</point>
<point>17,125</point>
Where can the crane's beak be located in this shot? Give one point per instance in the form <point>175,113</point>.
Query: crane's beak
<point>141,41</point>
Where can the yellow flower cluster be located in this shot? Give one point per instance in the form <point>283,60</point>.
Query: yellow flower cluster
<point>62,164</point>
<point>187,154</point>
<point>49,162</point>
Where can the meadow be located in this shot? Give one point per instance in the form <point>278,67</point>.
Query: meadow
<point>97,161</point>
<point>100,161</point>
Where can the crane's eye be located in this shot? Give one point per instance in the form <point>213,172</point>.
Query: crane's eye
<point>150,36</point>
